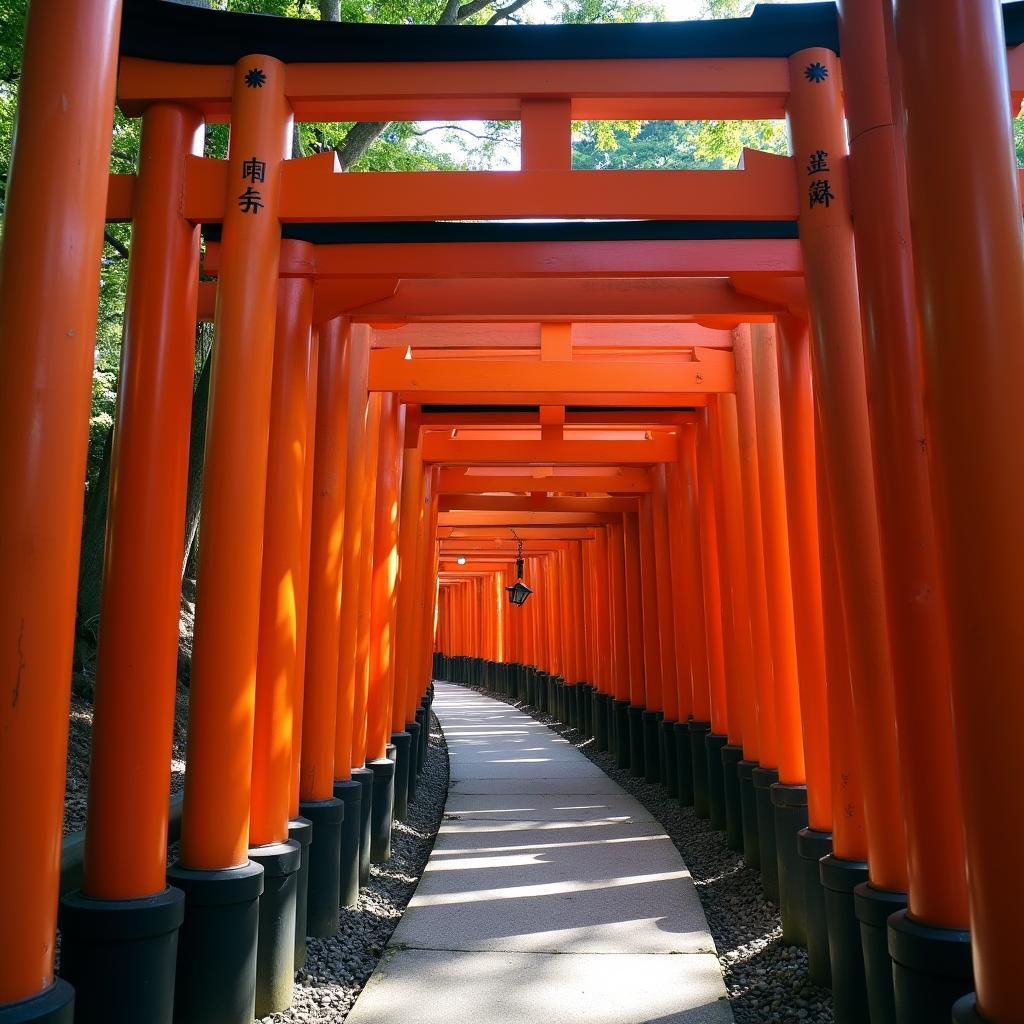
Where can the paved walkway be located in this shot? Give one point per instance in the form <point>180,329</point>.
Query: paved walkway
<point>551,896</point>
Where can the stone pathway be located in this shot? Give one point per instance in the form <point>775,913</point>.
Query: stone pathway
<point>551,896</point>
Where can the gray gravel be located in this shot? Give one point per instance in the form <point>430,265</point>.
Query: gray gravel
<point>338,968</point>
<point>767,981</point>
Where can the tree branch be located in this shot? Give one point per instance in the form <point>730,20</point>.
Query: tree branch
<point>458,128</point>
<point>473,7</point>
<point>506,12</point>
<point>116,244</point>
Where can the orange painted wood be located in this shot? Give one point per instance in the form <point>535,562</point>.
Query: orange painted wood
<point>666,88</point>
<point>215,821</point>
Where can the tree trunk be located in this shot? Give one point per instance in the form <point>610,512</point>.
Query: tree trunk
<point>94,528</point>
<point>196,452</point>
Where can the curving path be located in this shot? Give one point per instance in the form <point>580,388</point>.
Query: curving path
<point>551,896</point>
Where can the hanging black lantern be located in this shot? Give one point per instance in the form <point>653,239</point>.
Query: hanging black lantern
<point>519,591</point>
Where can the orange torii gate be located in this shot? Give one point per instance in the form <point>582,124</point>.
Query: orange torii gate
<point>815,521</point>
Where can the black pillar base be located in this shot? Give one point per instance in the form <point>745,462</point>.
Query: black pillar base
<point>584,694</point>
<point>383,769</point>
<point>636,740</point>
<point>601,720</point>
<point>790,806</point>
<point>301,830</point>
<point>120,955</point>
<point>54,1005</point>
<point>402,742</point>
<point>965,1012</point>
<point>324,884</point>
<point>713,744</point>
<point>849,987</point>
<point>731,757</point>
<point>620,724</point>
<point>423,721</point>
<point>873,907</point>
<point>652,745</point>
<point>215,980</point>
<point>364,776</point>
<point>931,968</point>
<point>748,812</point>
<point>684,763</point>
<point>699,767</point>
<point>413,729</point>
<point>764,779</point>
<point>350,793</point>
<point>275,948</point>
<point>667,746</point>
<point>811,846</point>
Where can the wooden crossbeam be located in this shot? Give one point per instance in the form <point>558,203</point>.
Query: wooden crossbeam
<point>711,372</point>
<point>625,479</point>
<point>442,449</point>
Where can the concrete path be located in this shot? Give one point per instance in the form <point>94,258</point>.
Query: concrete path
<point>551,896</point>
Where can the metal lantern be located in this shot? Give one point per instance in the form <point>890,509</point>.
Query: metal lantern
<point>519,591</point>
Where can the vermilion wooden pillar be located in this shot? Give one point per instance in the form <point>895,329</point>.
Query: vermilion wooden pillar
<point>826,233</point>
<point>666,633</point>
<point>275,721</point>
<point>382,614</point>
<point>49,291</point>
<point>665,597</point>
<point>766,774</point>
<point>276,727</point>
<point>915,590</point>
<point>796,409</point>
<point>967,253</point>
<point>371,451</point>
<point>283,558</point>
<point>125,857</point>
<point>337,370</point>
<point>846,867</point>
<point>215,823</point>
<point>789,795</point>
<point>715,607</point>
<point>298,824</point>
<point>406,600</point>
<point>764,692</point>
<point>357,484</point>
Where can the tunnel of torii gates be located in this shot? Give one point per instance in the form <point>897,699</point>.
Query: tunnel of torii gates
<point>755,432</point>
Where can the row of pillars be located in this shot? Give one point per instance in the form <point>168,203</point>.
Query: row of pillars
<point>860,571</point>
<point>308,720</point>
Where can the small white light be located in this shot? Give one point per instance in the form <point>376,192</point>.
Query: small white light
<point>461,559</point>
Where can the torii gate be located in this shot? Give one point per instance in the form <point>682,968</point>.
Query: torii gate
<point>178,70</point>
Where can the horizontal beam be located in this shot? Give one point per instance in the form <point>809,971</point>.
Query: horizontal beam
<point>314,190</point>
<point>626,480</point>
<point>683,89</point>
<point>438,448</point>
<point>713,257</point>
<point>513,504</point>
<point>712,372</point>
<point>537,533</point>
<point>661,300</point>
<point>523,519</point>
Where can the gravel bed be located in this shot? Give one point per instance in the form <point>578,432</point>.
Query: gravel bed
<point>338,968</point>
<point>767,981</point>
